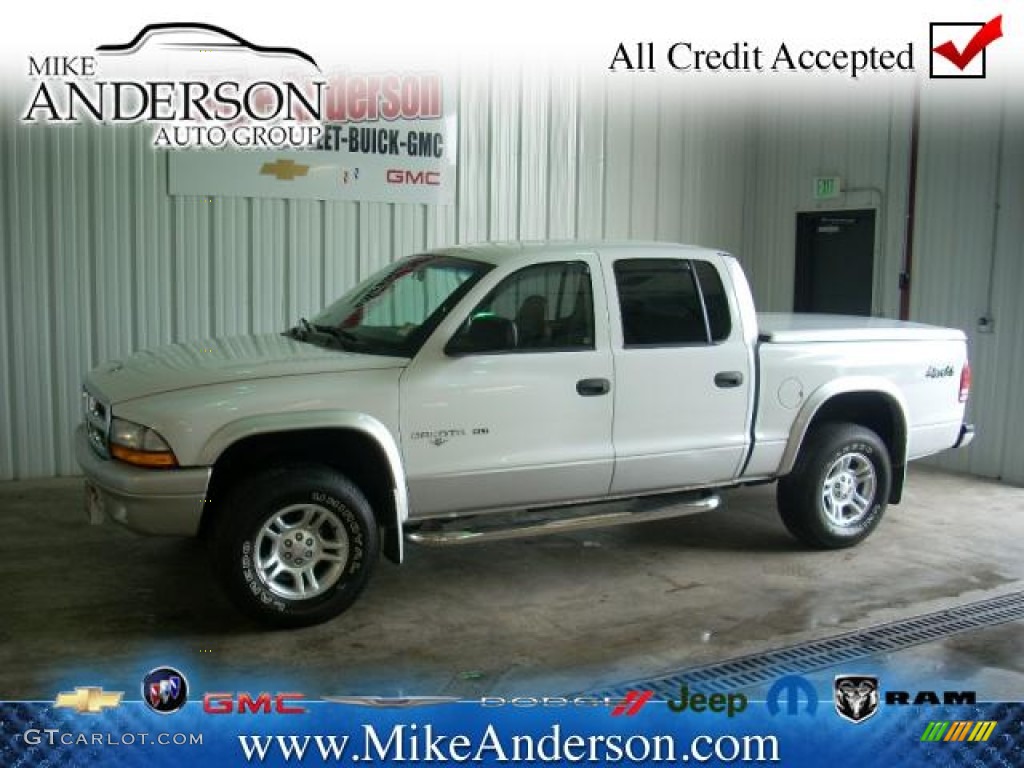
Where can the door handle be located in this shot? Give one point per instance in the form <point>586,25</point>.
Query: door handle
<point>593,387</point>
<point>728,379</point>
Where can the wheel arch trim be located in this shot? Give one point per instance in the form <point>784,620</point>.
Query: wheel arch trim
<point>852,385</point>
<point>253,426</point>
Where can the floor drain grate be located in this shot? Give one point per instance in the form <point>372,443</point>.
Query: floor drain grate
<point>749,671</point>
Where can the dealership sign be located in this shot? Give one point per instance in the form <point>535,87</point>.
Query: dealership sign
<point>393,145</point>
<point>251,120</point>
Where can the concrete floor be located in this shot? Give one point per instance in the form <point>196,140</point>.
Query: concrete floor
<point>98,605</point>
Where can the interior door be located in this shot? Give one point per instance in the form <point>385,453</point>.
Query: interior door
<point>526,421</point>
<point>683,376</point>
<point>835,262</point>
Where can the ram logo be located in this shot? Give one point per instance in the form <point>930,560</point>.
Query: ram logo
<point>856,697</point>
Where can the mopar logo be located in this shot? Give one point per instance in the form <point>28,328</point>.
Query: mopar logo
<point>791,689</point>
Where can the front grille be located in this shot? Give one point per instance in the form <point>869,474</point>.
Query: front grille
<point>97,422</point>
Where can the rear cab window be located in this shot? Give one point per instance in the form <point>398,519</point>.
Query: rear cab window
<point>671,302</point>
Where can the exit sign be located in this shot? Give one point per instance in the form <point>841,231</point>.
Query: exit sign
<point>826,187</point>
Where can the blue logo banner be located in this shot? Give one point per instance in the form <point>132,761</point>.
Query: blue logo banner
<point>798,721</point>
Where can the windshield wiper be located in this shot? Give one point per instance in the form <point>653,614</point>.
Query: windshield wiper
<point>300,331</point>
<point>340,334</point>
<point>309,333</point>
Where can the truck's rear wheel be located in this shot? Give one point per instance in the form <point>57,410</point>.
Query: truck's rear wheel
<point>838,490</point>
<point>296,545</point>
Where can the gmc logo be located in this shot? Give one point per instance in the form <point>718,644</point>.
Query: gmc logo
<point>229,703</point>
<point>420,178</point>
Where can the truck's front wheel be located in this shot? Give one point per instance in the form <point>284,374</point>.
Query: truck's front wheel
<point>295,546</point>
<point>837,492</point>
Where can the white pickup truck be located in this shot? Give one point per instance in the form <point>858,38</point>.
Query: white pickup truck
<point>482,392</point>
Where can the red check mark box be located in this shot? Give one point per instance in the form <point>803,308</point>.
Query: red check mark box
<point>958,49</point>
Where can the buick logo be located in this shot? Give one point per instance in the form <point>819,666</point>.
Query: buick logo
<point>856,697</point>
<point>165,690</point>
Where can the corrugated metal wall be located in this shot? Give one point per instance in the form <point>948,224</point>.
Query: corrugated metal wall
<point>848,129</point>
<point>969,257</point>
<point>96,260</point>
<point>969,226</point>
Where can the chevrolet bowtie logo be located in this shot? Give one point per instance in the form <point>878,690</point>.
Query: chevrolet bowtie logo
<point>285,170</point>
<point>89,699</point>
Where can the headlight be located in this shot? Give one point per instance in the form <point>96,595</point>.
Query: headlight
<point>139,445</point>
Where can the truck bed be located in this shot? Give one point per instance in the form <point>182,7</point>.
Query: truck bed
<point>786,327</point>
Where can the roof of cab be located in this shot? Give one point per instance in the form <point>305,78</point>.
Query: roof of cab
<point>503,252</point>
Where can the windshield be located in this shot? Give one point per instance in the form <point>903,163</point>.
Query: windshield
<point>394,311</point>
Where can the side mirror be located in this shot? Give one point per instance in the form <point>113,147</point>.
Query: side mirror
<point>484,333</point>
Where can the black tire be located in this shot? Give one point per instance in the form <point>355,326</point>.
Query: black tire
<point>817,519</point>
<point>329,530</point>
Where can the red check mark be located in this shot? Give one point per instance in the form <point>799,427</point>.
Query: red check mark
<point>989,33</point>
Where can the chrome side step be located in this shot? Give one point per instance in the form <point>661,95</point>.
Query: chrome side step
<point>538,522</point>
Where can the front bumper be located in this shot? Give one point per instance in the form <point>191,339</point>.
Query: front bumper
<point>157,501</point>
<point>965,437</point>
